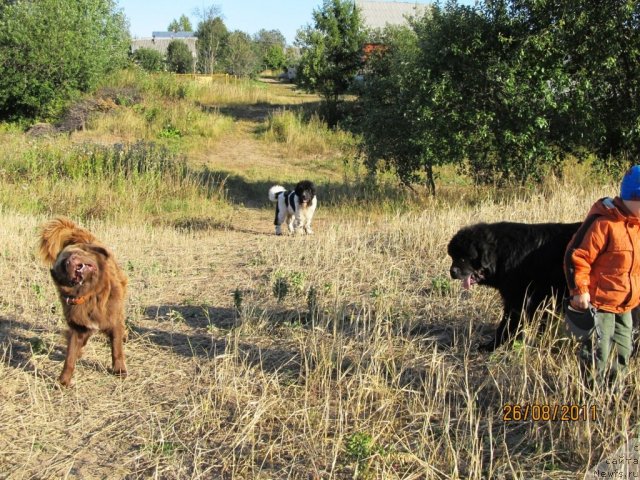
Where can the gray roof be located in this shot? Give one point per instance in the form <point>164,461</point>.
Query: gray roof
<point>173,34</point>
<point>381,14</point>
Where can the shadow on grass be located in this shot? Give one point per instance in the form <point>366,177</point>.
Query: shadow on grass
<point>206,332</point>
<point>20,345</point>
<point>254,193</point>
<point>201,331</point>
<point>20,342</point>
<point>260,112</point>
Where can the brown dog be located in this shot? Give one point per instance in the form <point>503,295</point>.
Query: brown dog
<point>91,286</point>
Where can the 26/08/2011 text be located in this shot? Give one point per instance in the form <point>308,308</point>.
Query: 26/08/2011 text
<point>544,413</point>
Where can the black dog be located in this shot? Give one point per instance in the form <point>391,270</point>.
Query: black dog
<point>295,208</point>
<point>524,262</point>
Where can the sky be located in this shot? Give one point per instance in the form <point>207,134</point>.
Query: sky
<point>250,16</point>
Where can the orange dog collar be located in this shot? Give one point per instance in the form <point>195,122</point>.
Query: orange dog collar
<point>75,300</point>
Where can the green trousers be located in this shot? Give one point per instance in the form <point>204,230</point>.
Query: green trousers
<point>613,336</point>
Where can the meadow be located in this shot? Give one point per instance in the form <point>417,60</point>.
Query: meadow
<point>346,354</point>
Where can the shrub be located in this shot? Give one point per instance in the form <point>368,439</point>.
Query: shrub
<point>37,80</point>
<point>179,58</point>
<point>149,59</point>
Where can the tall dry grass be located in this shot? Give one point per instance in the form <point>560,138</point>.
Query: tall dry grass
<point>301,136</point>
<point>120,182</point>
<point>349,354</point>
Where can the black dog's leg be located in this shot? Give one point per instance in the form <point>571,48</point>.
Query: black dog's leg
<point>278,221</point>
<point>505,332</point>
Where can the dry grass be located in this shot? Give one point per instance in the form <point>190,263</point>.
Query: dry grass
<point>302,137</point>
<point>366,368</point>
<point>349,354</point>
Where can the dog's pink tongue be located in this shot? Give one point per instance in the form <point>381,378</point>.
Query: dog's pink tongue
<point>466,283</point>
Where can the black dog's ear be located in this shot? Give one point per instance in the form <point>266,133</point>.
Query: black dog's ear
<point>487,255</point>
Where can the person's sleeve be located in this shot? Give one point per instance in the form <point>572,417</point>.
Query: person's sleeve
<point>584,248</point>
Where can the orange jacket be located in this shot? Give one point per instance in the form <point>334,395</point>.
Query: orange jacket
<point>603,257</point>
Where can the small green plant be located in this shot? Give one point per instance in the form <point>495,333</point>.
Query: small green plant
<point>164,449</point>
<point>280,288</point>
<point>360,446</point>
<point>175,316</point>
<point>377,292</point>
<point>38,290</point>
<point>151,114</point>
<point>237,300</point>
<point>518,346</point>
<point>38,346</point>
<point>296,280</point>
<point>441,285</point>
<point>169,131</point>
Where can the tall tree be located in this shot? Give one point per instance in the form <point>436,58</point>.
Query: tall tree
<point>212,39</point>
<point>598,44</point>
<point>240,55</point>
<point>90,38</point>
<point>270,47</point>
<point>483,91</point>
<point>331,52</point>
<point>183,24</point>
<point>179,58</point>
<point>393,136</point>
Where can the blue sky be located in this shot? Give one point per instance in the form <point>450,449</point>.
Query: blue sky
<point>247,15</point>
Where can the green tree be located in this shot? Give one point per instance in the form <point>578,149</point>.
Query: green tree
<point>240,56</point>
<point>212,39</point>
<point>598,46</point>
<point>331,52</point>
<point>267,38</point>
<point>51,50</point>
<point>183,24</point>
<point>149,59</point>
<point>179,58</point>
<point>388,120</point>
<point>270,47</point>
<point>274,58</point>
<point>482,91</point>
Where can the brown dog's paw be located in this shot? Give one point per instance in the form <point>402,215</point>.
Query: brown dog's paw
<point>64,380</point>
<point>120,372</point>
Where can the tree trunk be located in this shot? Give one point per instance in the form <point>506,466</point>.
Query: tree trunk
<point>431,183</point>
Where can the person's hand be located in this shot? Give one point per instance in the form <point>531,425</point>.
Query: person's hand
<point>580,302</point>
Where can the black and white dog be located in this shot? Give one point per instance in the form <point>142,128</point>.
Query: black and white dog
<point>296,207</point>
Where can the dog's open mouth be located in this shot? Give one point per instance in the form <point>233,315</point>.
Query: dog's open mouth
<point>470,280</point>
<point>79,271</point>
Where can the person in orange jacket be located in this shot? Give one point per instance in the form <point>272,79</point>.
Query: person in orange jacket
<point>602,266</point>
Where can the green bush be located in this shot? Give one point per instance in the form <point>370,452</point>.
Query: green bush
<point>149,59</point>
<point>52,50</point>
<point>179,58</point>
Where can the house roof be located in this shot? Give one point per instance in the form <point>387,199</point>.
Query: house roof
<point>173,35</point>
<point>381,14</point>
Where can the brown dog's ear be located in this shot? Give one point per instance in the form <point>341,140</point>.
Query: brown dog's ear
<point>98,249</point>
